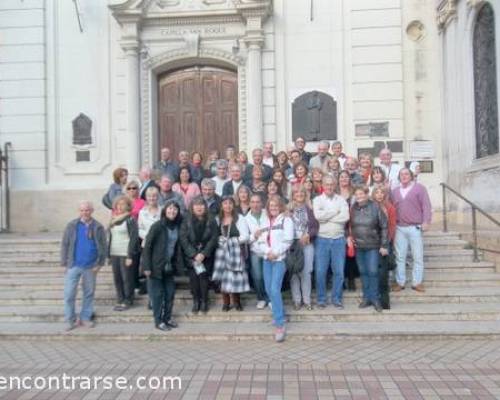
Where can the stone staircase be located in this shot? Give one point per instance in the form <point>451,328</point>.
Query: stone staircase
<point>462,300</point>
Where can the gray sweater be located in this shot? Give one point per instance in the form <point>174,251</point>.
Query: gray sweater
<point>69,241</point>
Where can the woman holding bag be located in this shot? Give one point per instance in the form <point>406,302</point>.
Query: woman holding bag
<point>160,256</point>
<point>230,256</point>
<point>198,240</point>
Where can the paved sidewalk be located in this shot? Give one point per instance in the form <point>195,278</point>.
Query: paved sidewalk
<point>293,370</point>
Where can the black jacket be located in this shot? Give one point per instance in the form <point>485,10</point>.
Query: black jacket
<point>214,207</point>
<point>134,244</point>
<point>192,245</point>
<point>368,226</point>
<point>154,254</point>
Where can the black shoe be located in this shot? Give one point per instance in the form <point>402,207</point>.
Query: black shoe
<point>163,327</point>
<point>142,290</point>
<point>351,285</point>
<point>239,307</point>
<point>196,307</point>
<point>204,307</point>
<point>377,306</point>
<point>365,304</point>
<point>171,323</point>
<point>226,307</point>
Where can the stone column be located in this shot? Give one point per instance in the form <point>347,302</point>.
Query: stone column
<point>133,141</point>
<point>254,41</point>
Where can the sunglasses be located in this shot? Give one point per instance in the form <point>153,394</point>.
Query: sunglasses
<point>132,188</point>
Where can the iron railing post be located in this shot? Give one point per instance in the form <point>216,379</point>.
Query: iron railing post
<point>474,234</point>
<point>6,148</point>
<point>445,221</point>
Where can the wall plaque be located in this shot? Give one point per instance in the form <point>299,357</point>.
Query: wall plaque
<point>372,129</point>
<point>421,149</point>
<point>395,146</point>
<point>314,117</point>
<point>82,130</point>
<point>83,155</point>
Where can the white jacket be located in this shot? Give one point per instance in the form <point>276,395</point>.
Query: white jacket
<point>253,226</point>
<point>280,235</point>
<point>332,215</point>
<point>242,227</point>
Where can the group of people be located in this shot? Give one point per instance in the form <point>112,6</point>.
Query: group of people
<point>233,226</point>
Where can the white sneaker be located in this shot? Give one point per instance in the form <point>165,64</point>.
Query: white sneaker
<point>261,305</point>
<point>280,334</point>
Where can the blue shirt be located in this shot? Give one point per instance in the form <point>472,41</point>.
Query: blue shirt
<point>173,235</point>
<point>85,247</point>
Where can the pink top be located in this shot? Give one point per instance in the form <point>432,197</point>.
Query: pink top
<point>187,194</point>
<point>136,207</point>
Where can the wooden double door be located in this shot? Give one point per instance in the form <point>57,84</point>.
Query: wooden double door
<point>198,110</point>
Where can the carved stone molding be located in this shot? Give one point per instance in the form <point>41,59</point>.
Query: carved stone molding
<point>475,3</point>
<point>446,12</point>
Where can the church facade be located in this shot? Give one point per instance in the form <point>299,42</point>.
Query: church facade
<point>87,86</point>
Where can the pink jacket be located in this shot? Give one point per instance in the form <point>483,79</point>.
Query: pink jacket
<point>192,191</point>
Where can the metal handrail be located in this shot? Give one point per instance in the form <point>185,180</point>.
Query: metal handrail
<point>474,209</point>
<point>4,167</point>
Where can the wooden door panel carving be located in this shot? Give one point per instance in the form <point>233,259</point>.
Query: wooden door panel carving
<point>198,110</point>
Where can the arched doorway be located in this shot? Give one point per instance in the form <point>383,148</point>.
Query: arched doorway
<point>198,109</point>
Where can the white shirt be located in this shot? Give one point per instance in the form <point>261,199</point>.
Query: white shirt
<point>392,174</point>
<point>236,185</point>
<point>255,224</point>
<point>277,241</point>
<point>145,220</point>
<point>269,161</point>
<point>119,240</point>
<point>332,213</point>
<point>219,184</point>
<point>405,190</point>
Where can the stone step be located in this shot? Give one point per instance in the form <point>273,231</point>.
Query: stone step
<point>105,281</point>
<point>182,314</point>
<point>445,265</point>
<point>490,294</point>
<point>438,330</point>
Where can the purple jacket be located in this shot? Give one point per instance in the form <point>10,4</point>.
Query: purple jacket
<point>415,208</point>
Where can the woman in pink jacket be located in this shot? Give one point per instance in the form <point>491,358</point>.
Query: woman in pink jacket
<point>186,187</point>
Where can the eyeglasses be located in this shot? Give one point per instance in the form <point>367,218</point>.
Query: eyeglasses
<point>132,188</point>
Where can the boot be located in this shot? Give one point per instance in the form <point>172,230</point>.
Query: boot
<point>351,285</point>
<point>196,306</point>
<point>204,307</point>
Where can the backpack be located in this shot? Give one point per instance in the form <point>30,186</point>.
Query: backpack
<point>294,259</point>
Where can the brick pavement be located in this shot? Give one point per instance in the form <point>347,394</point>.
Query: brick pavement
<point>264,370</point>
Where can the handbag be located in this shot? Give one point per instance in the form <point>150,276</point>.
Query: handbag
<point>106,201</point>
<point>294,259</point>
<point>351,250</point>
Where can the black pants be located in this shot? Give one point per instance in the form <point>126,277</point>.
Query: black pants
<point>161,293</point>
<point>383,280</point>
<point>124,278</point>
<point>351,270</point>
<point>199,286</point>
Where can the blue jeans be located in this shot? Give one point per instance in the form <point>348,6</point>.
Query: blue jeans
<point>329,254</point>
<point>274,272</point>
<point>368,260</point>
<point>409,236</point>
<point>71,281</point>
<point>257,273</point>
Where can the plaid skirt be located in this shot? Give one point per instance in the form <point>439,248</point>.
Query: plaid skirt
<point>231,281</point>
